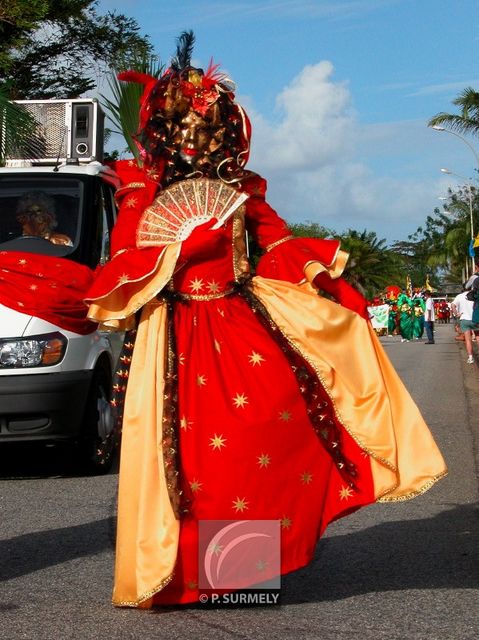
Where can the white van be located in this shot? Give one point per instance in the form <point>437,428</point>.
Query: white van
<point>55,384</point>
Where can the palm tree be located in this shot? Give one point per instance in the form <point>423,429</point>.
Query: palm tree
<point>371,265</point>
<point>465,122</point>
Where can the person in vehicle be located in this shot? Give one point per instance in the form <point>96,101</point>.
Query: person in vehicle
<point>36,214</point>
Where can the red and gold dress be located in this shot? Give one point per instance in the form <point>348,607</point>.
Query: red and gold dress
<point>249,397</point>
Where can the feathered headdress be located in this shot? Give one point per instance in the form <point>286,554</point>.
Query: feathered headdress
<point>183,88</point>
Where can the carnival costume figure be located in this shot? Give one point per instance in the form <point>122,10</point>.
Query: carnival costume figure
<point>419,309</point>
<point>406,317</point>
<point>249,397</point>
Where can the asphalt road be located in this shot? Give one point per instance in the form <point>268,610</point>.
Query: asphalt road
<point>397,571</point>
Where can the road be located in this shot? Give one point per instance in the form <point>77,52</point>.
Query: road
<point>395,571</point>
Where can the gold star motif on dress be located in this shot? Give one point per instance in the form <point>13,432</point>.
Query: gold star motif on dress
<point>240,400</point>
<point>131,202</point>
<point>195,485</point>
<point>181,359</point>
<point>123,279</point>
<point>285,522</point>
<point>200,380</point>
<point>261,565</point>
<point>240,504</point>
<point>185,424</point>
<point>22,261</point>
<point>345,493</point>
<point>217,442</point>
<point>213,287</point>
<point>255,358</point>
<point>285,416</point>
<point>196,285</point>
<point>191,584</point>
<point>217,346</point>
<point>264,460</point>
<point>306,478</point>
<point>33,287</point>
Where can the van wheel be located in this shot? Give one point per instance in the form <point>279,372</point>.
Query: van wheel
<point>98,441</point>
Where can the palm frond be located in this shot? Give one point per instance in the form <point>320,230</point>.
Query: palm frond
<point>123,106</point>
<point>17,130</point>
<point>467,121</point>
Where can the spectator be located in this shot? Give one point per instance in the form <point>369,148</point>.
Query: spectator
<point>463,309</point>
<point>469,283</point>
<point>429,318</point>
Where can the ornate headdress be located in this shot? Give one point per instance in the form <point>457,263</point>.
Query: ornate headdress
<point>181,90</point>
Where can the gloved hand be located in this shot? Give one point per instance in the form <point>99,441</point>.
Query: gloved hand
<point>344,293</point>
<point>203,242</point>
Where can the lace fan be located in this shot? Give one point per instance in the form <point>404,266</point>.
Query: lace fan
<point>180,208</point>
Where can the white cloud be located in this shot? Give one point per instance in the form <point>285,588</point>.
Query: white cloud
<point>316,123</point>
<point>323,165</point>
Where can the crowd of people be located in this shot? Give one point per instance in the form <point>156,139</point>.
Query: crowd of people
<point>411,313</point>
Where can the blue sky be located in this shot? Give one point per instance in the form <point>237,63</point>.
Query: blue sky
<point>339,93</point>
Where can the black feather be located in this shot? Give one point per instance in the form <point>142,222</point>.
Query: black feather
<point>184,51</point>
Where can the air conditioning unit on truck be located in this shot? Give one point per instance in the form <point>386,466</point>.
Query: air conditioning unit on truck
<point>57,211</point>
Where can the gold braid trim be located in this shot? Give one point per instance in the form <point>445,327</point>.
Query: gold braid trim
<point>408,496</point>
<point>205,297</point>
<point>271,246</point>
<point>145,596</point>
<point>131,185</point>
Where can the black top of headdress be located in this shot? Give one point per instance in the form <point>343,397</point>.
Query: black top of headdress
<point>184,51</point>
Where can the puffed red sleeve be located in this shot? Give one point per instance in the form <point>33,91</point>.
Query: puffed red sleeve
<point>133,275</point>
<point>315,260</point>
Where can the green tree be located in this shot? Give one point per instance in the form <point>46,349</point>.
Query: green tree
<point>58,48</point>
<point>439,248</point>
<point>309,229</point>
<point>467,121</point>
<point>371,265</point>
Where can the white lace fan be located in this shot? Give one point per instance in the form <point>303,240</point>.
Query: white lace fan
<point>180,208</point>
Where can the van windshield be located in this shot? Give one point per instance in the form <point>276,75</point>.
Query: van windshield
<point>40,214</point>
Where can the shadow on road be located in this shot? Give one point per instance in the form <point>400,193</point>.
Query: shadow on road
<point>36,551</point>
<point>432,553</point>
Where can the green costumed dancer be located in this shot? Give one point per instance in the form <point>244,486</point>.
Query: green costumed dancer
<point>406,317</point>
<point>419,307</point>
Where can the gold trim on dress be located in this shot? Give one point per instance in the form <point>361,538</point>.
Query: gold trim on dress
<point>204,297</point>
<point>336,267</point>
<point>412,494</point>
<point>146,596</point>
<point>238,239</point>
<point>278,242</point>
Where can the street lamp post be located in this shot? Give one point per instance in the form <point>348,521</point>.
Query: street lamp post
<point>471,210</point>
<point>453,133</point>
